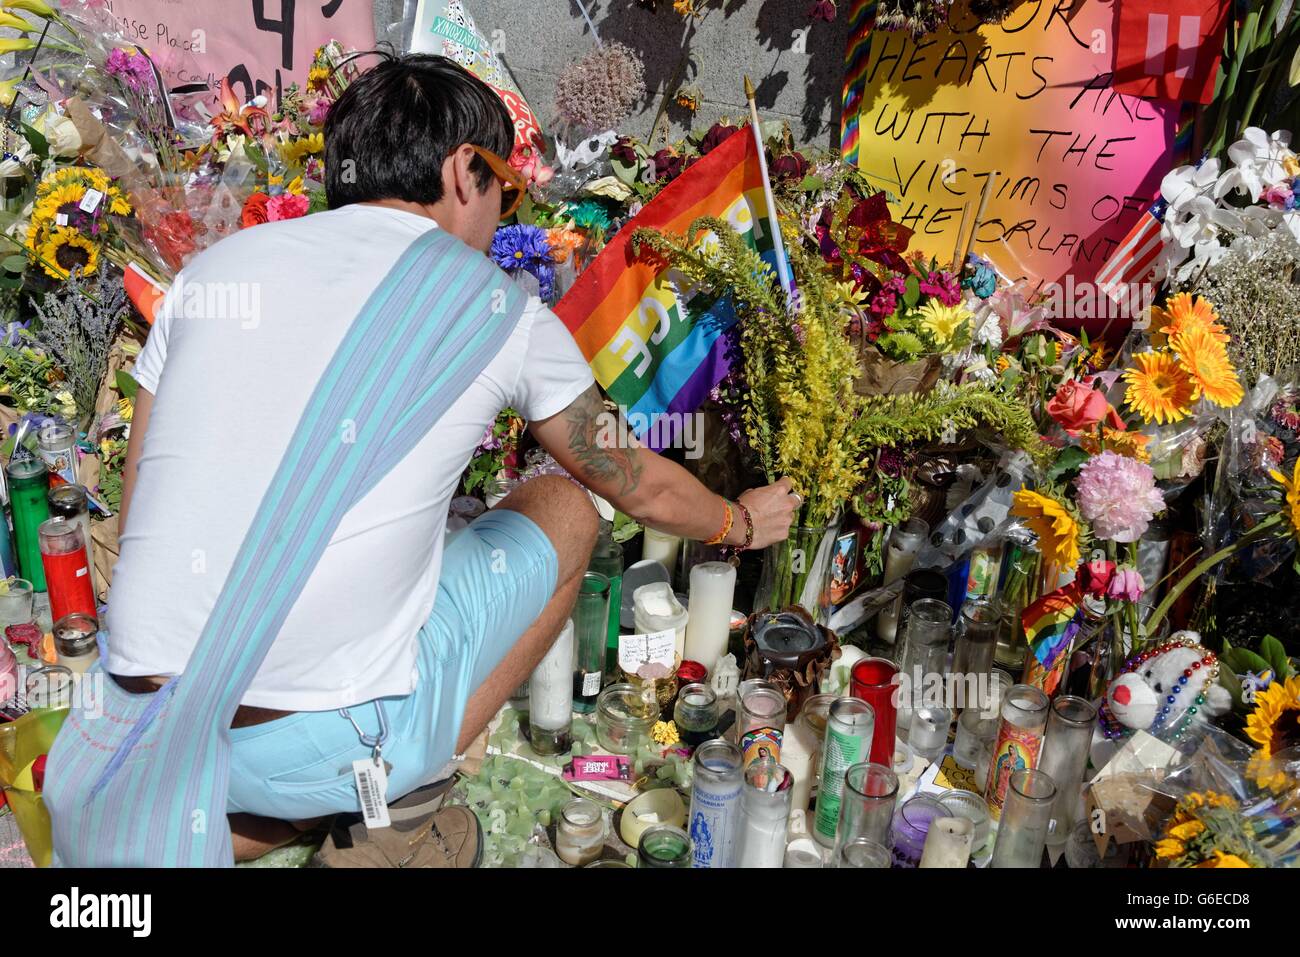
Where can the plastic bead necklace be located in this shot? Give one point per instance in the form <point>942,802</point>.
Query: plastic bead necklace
<point>1208,665</point>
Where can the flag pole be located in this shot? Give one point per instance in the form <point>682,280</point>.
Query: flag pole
<point>782,264</point>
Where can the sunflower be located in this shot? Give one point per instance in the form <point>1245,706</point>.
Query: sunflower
<point>943,322</point>
<point>1274,725</point>
<point>1159,388</point>
<point>65,250</point>
<point>1183,314</point>
<point>1206,361</point>
<point>317,76</point>
<point>294,151</point>
<point>1056,528</point>
<point>61,195</point>
<point>1292,489</point>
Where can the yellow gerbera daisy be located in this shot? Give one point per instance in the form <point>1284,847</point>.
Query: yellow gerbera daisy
<point>1056,528</point>
<point>943,322</point>
<point>66,249</point>
<point>1292,489</point>
<point>1159,388</point>
<point>1185,313</point>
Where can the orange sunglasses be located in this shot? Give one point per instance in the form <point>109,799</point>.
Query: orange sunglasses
<point>513,185</point>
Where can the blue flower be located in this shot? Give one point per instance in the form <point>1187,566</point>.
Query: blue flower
<point>526,248</point>
<point>589,214</point>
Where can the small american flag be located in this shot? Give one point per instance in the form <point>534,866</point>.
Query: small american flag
<point>1135,256</point>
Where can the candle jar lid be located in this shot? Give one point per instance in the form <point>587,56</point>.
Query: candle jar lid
<point>75,636</point>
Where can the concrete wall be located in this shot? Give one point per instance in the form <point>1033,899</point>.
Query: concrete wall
<point>798,79</point>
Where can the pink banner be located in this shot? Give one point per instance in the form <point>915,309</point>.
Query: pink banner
<point>262,45</point>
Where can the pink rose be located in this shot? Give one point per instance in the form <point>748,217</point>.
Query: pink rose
<point>286,206</point>
<point>1127,585</point>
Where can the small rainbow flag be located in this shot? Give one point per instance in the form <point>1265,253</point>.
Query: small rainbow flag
<point>656,345</point>
<point>1052,622</point>
<point>862,20</point>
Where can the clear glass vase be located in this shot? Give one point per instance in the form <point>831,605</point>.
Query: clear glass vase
<point>798,572</point>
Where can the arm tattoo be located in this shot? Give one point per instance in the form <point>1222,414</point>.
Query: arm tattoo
<point>595,439</point>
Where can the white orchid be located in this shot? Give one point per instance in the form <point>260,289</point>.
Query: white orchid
<point>1260,161</point>
<point>1185,184</point>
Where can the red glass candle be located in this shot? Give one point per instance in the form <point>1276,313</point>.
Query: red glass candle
<point>67,572</point>
<point>874,680</point>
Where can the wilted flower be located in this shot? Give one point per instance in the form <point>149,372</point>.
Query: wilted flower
<point>599,91</point>
<point>714,137</point>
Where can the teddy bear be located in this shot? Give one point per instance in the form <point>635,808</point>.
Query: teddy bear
<point>1159,688</point>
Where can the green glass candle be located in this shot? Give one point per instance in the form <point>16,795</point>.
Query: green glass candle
<point>29,483</point>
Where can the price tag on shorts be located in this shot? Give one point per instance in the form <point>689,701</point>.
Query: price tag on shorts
<point>372,791</point>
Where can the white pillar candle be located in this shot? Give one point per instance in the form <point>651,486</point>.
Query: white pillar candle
<point>713,589</point>
<point>948,842</point>
<point>657,546</point>
<point>798,750</point>
<point>550,689</point>
<point>905,543</point>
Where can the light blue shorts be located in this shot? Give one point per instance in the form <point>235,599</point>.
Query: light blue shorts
<point>497,576</point>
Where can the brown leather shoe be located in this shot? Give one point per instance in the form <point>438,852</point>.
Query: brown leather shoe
<point>449,838</point>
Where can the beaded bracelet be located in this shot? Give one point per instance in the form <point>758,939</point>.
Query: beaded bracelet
<point>749,527</point>
<point>727,521</point>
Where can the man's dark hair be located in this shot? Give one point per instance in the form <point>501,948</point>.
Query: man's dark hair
<point>394,126</point>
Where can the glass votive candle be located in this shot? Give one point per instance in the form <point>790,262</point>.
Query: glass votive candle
<point>609,862</point>
<point>50,687</point>
<point>911,824</point>
<point>875,680</point>
<point>696,714</point>
<point>760,720</point>
<point>971,806</point>
<point>929,733</point>
<point>16,598</point>
<point>76,642</point>
<point>580,833</point>
<point>664,846</point>
<point>863,853</point>
<point>803,853</point>
<point>866,804</point>
<point>764,812</point>
<point>975,734</point>
<point>1064,757</point>
<point>624,718</point>
<point>1022,829</point>
<point>948,843</point>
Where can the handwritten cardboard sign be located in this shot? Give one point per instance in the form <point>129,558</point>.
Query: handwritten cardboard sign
<point>262,45</point>
<point>1030,98</point>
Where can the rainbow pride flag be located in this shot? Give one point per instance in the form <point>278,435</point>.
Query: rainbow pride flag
<point>656,345</point>
<point>1052,622</point>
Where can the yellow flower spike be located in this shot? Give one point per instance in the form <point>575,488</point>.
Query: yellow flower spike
<point>38,7</point>
<point>14,44</point>
<point>12,22</point>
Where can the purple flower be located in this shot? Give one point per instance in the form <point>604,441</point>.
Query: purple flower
<point>526,248</point>
<point>131,68</point>
<point>320,111</point>
<point>885,302</point>
<point>890,462</point>
<point>942,285</point>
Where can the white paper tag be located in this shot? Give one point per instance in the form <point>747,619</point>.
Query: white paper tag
<point>61,219</point>
<point>372,791</point>
<point>591,683</point>
<point>90,202</point>
<point>656,648</point>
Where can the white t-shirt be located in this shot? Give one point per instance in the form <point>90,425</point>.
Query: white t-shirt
<point>232,368</point>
